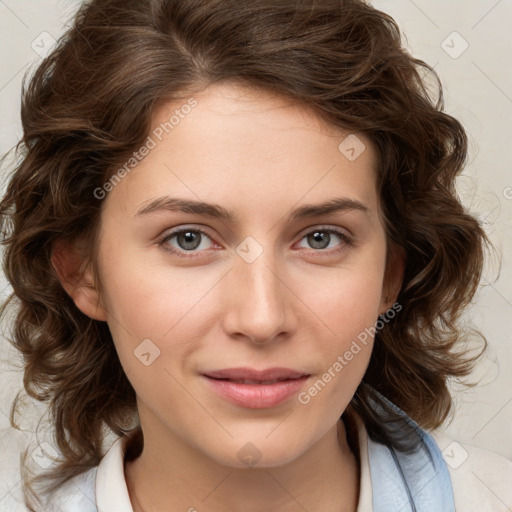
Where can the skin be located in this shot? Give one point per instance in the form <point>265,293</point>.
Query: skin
<point>296,306</point>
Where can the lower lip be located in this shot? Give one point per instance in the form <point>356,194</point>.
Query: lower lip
<point>256,396</point>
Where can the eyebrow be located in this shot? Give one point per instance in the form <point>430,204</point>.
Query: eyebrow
<point>216,211</point>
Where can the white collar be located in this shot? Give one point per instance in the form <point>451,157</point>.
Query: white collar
<point>111,488</point>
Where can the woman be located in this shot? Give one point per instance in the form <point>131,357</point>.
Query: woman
<point>235,244</point>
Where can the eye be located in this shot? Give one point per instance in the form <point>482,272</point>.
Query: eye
<point>321,239</point>
<point>187,240</point>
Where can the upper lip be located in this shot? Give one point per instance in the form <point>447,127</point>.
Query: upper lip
<point>256,375</point>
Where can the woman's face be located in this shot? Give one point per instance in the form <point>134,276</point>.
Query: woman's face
<point>217,264</point>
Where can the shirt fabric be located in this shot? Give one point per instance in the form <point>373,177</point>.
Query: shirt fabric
<point>440,476</point>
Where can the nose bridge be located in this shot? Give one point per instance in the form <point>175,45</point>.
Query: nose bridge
<point>258,308</point>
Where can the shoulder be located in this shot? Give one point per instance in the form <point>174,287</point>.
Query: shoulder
<point>466,477</point>
<point>481,479</point>
<point>75,495</point>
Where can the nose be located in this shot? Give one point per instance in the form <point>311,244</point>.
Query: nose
<point>259,308</point>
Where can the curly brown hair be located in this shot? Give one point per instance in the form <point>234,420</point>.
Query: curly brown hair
<point>89,105</point>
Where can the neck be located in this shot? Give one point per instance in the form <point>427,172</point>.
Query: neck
<point>174,476</point>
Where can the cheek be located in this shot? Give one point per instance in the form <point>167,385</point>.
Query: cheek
<point>346,309</point>
<point>351,315</point>
<point>156,303</point>
<point>347,312</point>
<point>348,300</point>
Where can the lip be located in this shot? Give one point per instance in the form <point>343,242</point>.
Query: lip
<point>263,389</point>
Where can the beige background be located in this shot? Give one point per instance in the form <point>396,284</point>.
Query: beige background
<point>475,67</point>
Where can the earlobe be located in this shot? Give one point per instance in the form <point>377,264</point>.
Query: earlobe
<point>77,281</point>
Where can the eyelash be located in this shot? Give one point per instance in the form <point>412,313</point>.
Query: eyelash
<point>347,241</point>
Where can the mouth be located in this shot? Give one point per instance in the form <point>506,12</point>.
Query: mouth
<point>249,381</point>
<point>256,389</point>
<point>270,375</point>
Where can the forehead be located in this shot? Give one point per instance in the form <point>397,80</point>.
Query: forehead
<point>233,98</point>
<point>234,106</point>
<point>240,144</point>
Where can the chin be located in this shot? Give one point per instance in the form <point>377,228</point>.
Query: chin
<point>259,454</point>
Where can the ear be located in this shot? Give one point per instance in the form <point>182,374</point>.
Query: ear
<point>77,281</point>
<point>393,278</point>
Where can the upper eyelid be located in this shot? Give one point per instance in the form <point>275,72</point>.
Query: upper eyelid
<point>325,227</point>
